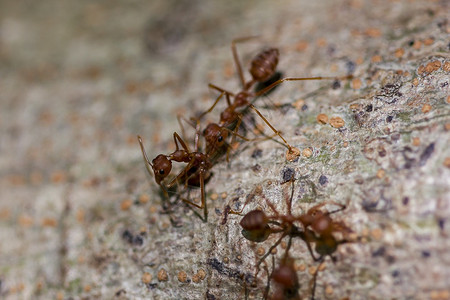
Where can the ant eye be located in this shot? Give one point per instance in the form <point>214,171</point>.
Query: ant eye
<point>220,139</point>
<point>161,171</point>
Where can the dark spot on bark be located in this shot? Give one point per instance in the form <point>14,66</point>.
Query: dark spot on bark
<point>323,180</point>
<point>411,42</point>
<point>426,154</point>
<point>382,152</point>
<point>389,119</point>
<point>304,107</point>
<point>350,66</point>
<point>359,180</point>
<point>151,286</point>
<point>395,273</point>
<point>229,272</point>
<point>217,211</point>
<point>390,259</point>
<point>138,240</point>
<point>426,253</point>
<point>369,205</point>
<point>287,174</point>
<point>210,296</point>
<point>331,49</point>
<point>256,168</point>
<point>120,292</point>
<point>379,252</point>
<point>405,200</point>
<point>128,236</point>
<point>441,223</point>
<point>395,136</point>
<point>336,84</point>
<point>239,192</point>
<point>389,93</point>
<point>257,153</point>
<point>369,108</point>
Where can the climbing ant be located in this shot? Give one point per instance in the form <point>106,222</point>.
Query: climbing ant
<point>315,226</point>
<point>195,173</point>
<point>262,68</point>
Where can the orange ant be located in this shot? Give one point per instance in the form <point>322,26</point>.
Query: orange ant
<point>262,68</point>
<point>315,226</point>
<point>195,173</point>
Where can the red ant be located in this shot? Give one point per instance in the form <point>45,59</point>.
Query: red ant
<point>195,173</point>
<point>315,226</point>
<point>262,68</point>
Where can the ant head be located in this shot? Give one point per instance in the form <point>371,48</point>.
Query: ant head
<point>161,167</point>
<point>215,135</point>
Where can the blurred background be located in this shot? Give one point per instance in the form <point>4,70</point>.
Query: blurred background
<point>79,217</point>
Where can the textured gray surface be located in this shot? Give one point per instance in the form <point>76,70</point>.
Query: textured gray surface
<point>80,79</point>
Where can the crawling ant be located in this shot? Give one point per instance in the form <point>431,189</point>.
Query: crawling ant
<point>315,226</point>
<point>262,68</point>
<point>195,173</point>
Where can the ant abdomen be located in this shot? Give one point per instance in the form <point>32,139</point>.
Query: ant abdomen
<point>254,220</point>
<point>263,65</point>
<point>255,226</point>
<point>326,245</point>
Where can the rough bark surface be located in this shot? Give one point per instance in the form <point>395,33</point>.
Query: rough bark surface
<point>79,217</point>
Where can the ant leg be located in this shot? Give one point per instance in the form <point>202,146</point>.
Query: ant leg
<point>272,207</point>
<point>236,57</point>
<point>180,140</point>
<point>289,201</point>
<point>268,252</point>
<point>214,105</point>
<point>307,236</point>
<point>266,89</point>
<point>181,174</point>
<point>269,275</point>
<point>181,118</point>
<point>220,89</point>
<point>317,206</point>
<point>291,150</point>
<point>203,199</point>
<point>288,247</point>
<point>314,279</point>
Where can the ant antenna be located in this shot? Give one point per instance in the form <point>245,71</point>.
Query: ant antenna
<point>148,164</point>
